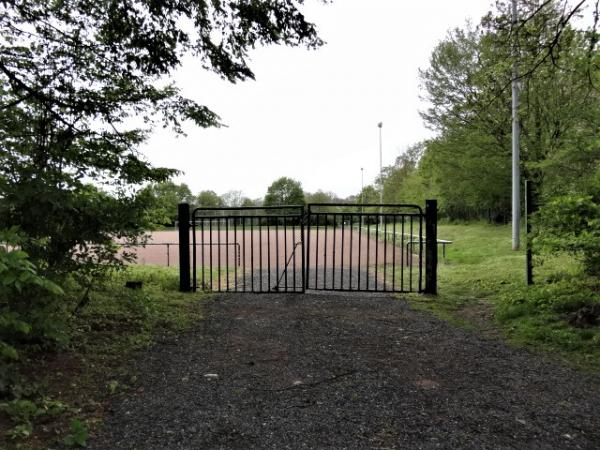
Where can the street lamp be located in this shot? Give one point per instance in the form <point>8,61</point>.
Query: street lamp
<point>380,125</point>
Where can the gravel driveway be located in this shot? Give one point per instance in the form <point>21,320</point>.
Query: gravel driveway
<point>346,371</point>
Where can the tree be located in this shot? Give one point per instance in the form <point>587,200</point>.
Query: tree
<point>72,73</point>
<point>208,199</point>
<point>321,197</point>
<point>467,85</point>
<point>284,191</point>
<point>233,198</point>
<point>402,182</point>
<point>248,202</point>
<point>540,28</point>
<point>166,196</point>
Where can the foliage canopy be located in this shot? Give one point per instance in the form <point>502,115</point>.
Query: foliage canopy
<point>284,191</point>
<point>73,75</point>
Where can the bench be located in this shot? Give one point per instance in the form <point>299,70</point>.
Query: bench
<point>443,242</point>
<point>415,239</point>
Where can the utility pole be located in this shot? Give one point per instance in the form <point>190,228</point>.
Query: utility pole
<point>380,125</point>
<point>516,177</point>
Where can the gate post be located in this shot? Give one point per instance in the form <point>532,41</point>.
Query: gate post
<point>183,216</point>
<point>431,254</point>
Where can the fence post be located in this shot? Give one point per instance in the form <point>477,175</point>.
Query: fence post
<point>529,253</point>
<point>431,253</point>
<point>183,216</point>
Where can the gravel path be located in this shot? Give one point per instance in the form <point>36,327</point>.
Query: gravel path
<point>346,371</point>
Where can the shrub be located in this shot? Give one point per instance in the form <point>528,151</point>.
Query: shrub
<point>571,224</point>
<point>27,306</point>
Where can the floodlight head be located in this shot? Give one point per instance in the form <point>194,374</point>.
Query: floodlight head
<point>380,124</point>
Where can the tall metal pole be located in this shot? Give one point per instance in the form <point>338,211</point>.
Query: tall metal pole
<point>380,125</point>
<point>362,190</point>
<point>516,177</point>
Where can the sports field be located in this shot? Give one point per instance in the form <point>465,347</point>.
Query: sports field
<point>338,258</point>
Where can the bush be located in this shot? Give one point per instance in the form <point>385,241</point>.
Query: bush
<point>570,224</point>
<point>560,296</point>
<point>27,307</point>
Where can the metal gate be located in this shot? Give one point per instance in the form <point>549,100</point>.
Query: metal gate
<point>368,248</point>
<point>248,249</point>
<point>327,247</point>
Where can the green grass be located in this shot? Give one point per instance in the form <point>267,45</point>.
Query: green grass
<point>104,335</point>
<point>134,316</point>
<point>482,276</point>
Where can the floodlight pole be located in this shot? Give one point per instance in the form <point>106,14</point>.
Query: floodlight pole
<point>362,190</point>
<point>380,125</point>
<point>516,181</point>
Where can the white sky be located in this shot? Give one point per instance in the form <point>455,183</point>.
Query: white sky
<point>312,115</point>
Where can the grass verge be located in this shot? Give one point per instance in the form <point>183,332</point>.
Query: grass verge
<point>482,286</point>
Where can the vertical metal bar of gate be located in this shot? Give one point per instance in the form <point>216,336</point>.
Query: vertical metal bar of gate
<point>277,250</point>
<point>351,244</point>
<point>376,249</point>
<point>194,259</point>
<point>260,264</point>
<point>210,248</point>
<point>384,253</point>
<point>244,253</point>
<point>307,218</point>
<point>317,218</point>
<point>202,259</point>
<point>360,222</point>
<point>227,254</point>
<point>394,257</point>
<point>368,251</point>
<point>402,256</point>
<point>342,256</point>
<point>285,257</point>
<point>333,253</point>
<point>325,256</point>
<point>294,259</point>
<point>302,251</point>
<point>268,254</point>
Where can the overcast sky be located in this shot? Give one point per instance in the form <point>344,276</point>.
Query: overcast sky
<point>312,114</point>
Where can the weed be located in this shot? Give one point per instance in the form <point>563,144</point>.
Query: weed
<point>78,436</point>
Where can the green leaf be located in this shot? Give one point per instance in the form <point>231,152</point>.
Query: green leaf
<point>78,436</point>
<point>20,431</point>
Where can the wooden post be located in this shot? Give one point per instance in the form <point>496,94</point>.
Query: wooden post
<point>431,253</point>
<point>183,215</point>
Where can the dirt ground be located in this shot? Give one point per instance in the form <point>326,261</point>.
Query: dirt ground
<point>340,259</point>
<point>346,371</point>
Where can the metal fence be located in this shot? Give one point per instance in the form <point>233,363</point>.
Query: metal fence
<point>333,247</point>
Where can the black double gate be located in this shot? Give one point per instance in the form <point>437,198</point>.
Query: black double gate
<point>330,247</point>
